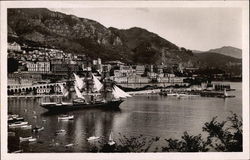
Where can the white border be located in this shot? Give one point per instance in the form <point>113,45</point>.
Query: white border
<point>244,5</point>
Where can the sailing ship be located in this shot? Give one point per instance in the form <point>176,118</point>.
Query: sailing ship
<point>87,97</point>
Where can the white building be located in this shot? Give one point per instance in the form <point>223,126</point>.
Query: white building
<point>14,46</point>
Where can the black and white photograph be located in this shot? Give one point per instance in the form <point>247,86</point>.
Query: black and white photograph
<point>118,79</point>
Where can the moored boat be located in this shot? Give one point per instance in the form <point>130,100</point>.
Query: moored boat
<point>69,145</point>
<point>66,117</point>
<point>26,127</point>
<point>32,140</point>
<point>24,139</point>
<point>61,131</point>
<point>17,124</point>
<point>14,118</point>
<point>225,95</point>
<point>93,138</point>
<point>17,151</point>
<point>37,129</point>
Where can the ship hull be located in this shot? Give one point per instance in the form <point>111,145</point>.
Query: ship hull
<point>78,106</point>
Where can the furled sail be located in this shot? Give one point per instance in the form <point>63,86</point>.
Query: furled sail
<point>118,93</point>
<point>97,84</point>
<point>79,82</point>
<point>78,93</point>
<point>64,91</point>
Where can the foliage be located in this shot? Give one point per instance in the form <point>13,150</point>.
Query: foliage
<point>227,135</point>
<point>12,65</point>
<point>188,143</point>
<point>223,136</point>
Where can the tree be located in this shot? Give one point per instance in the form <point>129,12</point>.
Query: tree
<point>223,136</point>
<point>227,135</point>
<point>12,65</point>
<point>188,143</point>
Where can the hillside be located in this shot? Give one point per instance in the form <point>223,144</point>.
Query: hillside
<point>81,35</point>
<point>228,51</point>
<point>217,60</point>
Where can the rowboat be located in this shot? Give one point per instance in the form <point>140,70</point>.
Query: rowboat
<point>66,117</point>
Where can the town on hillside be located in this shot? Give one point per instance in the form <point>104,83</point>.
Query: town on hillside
<point>29,66</point>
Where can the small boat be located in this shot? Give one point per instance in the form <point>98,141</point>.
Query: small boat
<point>37,129</point>
<point>25,139</point>
<point>19,119</point>
<point>17,124</point>
<point>48,103</point>
<point>61,131</point>
<point>66,117</point>
<point>15,119</point>
<point>13,115</point>
<point>225,95</point>
<point>69,145</point>
<point>18,151</point>
<point>111,141</point>
<point>32,140</point>
<point>26,127</point>
<point>93,138</point>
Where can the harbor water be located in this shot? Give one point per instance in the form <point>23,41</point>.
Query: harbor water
<point>150,115</point>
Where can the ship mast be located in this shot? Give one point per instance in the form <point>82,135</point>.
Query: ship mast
<point>87,82</point>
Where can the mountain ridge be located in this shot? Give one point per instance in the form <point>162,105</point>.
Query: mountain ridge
<point>225,50</point>
<point>85,36</point>
<point>74,34</point>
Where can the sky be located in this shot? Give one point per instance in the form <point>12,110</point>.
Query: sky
<point>192,28</point>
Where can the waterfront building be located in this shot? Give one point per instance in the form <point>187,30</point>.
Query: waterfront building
<point>19,81</point>
<point>40,67</point>
<point>14,46</point>
<point>25,75</point>
<point>152,75</point>
<point>170,75</point>
<point>94,62</point>
<point>65,68</point>
<point>31,66</point>
<point>160,69</point>
<point>117,73</point>
<point>137,79</point>
<point>43,90</point>
<point>106,67</point>
<point>43,66</point>
<point>55,61</point>
<point>121,79</point>
<point>97,65</point>
<point>140,69</point>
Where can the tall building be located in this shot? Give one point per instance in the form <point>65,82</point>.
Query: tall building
<point>41,67</point>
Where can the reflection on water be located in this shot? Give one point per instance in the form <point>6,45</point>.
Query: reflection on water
<point>153,115</point>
